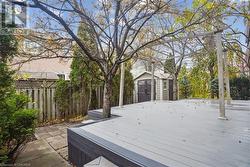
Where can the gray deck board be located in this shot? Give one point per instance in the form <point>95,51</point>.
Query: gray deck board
<point>181,133</point>
<point>171,150</point>
<point>173,147</point>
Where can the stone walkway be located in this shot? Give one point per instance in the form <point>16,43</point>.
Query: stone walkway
<point>39,154</point>
<point>50,148</point>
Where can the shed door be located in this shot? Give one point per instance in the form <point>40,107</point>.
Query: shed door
<point>144,90</point>
<point>171,90</point>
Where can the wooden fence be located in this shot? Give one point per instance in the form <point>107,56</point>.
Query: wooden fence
<point>42,97</point>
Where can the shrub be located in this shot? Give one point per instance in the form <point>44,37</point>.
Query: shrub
<point>214,86</point>
<point>62,96</point>
<point>185,87</point>
<point>239,88</point>
<point>16,125</point>
<point>16,122</point>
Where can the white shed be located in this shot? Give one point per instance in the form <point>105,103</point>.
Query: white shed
<point>163,87</point>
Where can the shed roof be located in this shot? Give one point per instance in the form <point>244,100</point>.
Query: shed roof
<point>158,75</point>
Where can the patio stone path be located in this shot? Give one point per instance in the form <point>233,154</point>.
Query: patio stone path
<point>39,154</point>
<point>56,137</point>
<point>50,148</point>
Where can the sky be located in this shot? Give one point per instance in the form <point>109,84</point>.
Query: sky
<point>238,25</point>
<point>88,5</point>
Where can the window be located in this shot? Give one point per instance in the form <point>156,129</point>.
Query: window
<point>164,85</point>
<point>61,76</point>
<point>30,46</point>
<point>147,65</point>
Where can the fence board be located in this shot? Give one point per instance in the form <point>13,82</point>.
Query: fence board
<point>44,105</point>
<point>53,110</point>
<point>41,100</point>
<point>77,106</point>
<point>35,98</point>
<point>48,105</point>
<point>29,93</point>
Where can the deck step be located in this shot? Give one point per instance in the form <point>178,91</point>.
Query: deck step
<point>100,162</point>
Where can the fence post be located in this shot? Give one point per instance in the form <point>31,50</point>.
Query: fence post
<point>29,93</point>
<point>45,116</point>
<point>48,104</point>
<point>35,98</point>
<point>220,76</point>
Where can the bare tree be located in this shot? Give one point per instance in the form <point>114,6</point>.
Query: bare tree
<point>237,40</point>
<point>116,27</point>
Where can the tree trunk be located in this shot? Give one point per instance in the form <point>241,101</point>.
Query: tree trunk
<point>176,92</point>
<point>107,98</point>
<point>122,80</point>
<point>90,97</point>
<point>83,97</point>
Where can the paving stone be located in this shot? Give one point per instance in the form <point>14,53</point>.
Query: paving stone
<point>50,150</point>
<point>39,154</point>
<point>40,130</point>
<point>61,126</point>
<point>63,152</point>
<point>46,128</point>
<point>59,144</point>
<point>55,133</point>
<point>34,150</point>
<point>54,139</point>
<point>48,160</point>
<point>64,136</point>
<point>43,136</point>
<point>64,130</point>
<point>67,158</point>
<point>52,129</point>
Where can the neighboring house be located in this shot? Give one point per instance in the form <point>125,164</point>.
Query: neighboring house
<point>37,79</point>
<point>164,86</point>
<point>48,69</point>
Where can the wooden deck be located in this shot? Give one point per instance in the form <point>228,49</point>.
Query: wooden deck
<point>163,133</point>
